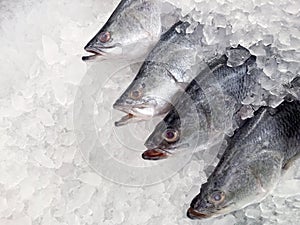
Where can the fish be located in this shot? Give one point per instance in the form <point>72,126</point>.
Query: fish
<point>167,70</point>
<point>133,23</point>
<point>208,108</point>
<point>252,164</point>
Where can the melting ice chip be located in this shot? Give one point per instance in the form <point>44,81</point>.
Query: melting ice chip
<point>237,56</point>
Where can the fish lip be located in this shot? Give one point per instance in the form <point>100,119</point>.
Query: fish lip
<point>155,154</point>
<point>167,152</point>
<point>130,110</point>
<point>129,116</point>
<point>131,113</point>
<point>194,214</point>
<point>124,120</point>
<point>96,52</point>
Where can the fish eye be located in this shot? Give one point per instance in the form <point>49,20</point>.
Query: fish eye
<point>217,197</point>
<point>104,36</point>
<point>171,135</point>
<point>136,94</point>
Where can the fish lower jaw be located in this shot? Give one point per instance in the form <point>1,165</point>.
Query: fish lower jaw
<point>94,56</point>
<point>153,154</point>
<point>131,118</point>
<point>142,112</point>
<point>194,214</point>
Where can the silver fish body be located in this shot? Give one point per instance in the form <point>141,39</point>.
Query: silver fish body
<point>252,163</point>
<point>209,107</point>
<point>133,23</point>
<point>168,68</point>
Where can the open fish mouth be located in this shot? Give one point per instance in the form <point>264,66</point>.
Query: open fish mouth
<point>194,214</point>
<point>124,120</point>
<point>155,154</point>
<point>136,114</point>
<point>95,55</point>
<point>96,52</point>
<point>130,118</point>
<point>161,153</point>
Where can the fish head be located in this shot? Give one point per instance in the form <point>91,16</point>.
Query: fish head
<point>233,186</point>
<point>137,106</point>
<point>164,138</point>
<point>135,23</point>
<point>147,96</point>
<point>178,132</point>
<point>102,44</point>
<point>183,130</point>
<point>215,199</point>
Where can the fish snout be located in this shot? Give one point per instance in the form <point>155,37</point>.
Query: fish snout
<point>122,105</point>
<point>117,105</point>
<point>91,47</point>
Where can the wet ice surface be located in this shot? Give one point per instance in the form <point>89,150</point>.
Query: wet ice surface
<point>43,177</point>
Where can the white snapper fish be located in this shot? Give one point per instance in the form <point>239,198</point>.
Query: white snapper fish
<point>167,70</point>
<point>252,163</point>
<point>215,98</point>
<point>133,23</point>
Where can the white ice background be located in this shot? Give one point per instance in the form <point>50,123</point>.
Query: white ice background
<point>44,178</point>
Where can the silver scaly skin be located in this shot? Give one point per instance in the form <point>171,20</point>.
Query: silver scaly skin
<point>209,107</point>
<point>252,163</point>
<point>133,23</point>
<point>167,70</point>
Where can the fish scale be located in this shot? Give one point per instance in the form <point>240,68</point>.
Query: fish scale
<point>283,126</point>
<point>171,65</point>
<point>252,163</point>
<point>209,106</point>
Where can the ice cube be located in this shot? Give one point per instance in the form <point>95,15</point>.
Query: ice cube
<point>288,188</point>
<point>81,196</point>
<point>60,90</point>
<point>237,56</point>
<point>75,69</point>
<point>90,178</point>
<point>39,202</point>
<point>21,219</point>
<point>252,212</point>
<point>51,50</point>
<point>45,117</point>
<point>43,160</point>
<point>226,220</point>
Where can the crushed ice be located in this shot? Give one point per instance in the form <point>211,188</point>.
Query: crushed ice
<point>43,177</point>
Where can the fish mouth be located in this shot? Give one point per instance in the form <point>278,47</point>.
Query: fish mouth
<point>155,154</point>
<point>134,114</point>
<point>161,153</point>
<point>194,214</point>
<point>95,51</point>
<point>125,120</point>
<point>130,118</point>
<point>90,57</point>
